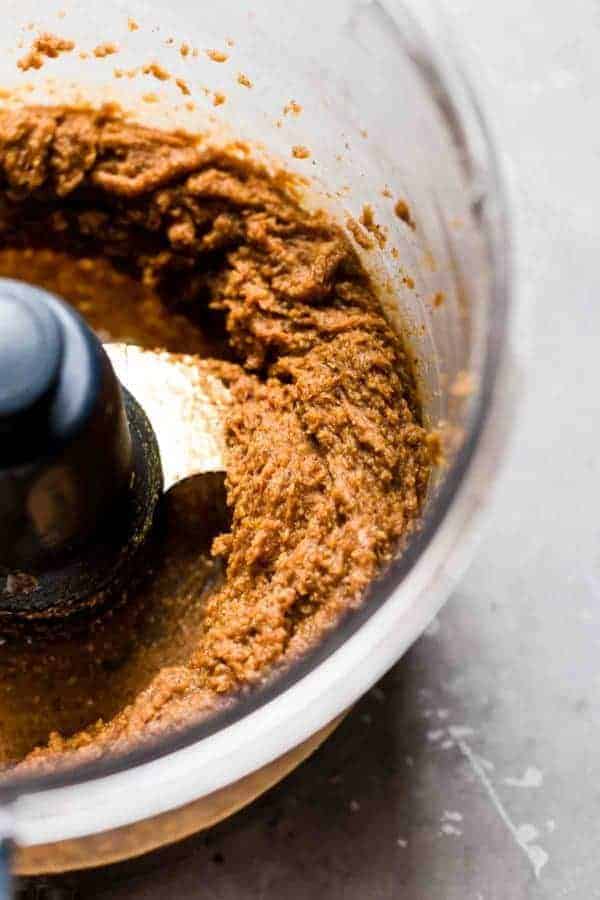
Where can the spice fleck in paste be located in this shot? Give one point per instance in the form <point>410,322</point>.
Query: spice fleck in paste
<point>168,241</point>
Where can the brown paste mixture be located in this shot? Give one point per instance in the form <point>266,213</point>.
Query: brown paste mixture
<point>168,241</point>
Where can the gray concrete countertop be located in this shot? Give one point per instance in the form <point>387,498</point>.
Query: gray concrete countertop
<point>473,771</point>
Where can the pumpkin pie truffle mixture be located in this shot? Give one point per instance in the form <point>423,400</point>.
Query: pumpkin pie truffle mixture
<point>168,241</point>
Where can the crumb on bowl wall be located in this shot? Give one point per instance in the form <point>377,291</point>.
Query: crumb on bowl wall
<point>435,445</point>
<point>106,49</point>
<point>299,151</point>
<point>125,73</point>
<point>367,220</point>
<point>293,108</point>
<point>217,56</point>
<point>359,233</point>
<point>45,46</point>
<point>157,71</point>
<point>402,210</point>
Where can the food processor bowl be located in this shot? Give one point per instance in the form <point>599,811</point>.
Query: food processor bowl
<point>372,93</point>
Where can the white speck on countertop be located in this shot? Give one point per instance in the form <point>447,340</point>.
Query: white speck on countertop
<point>402,843</point>
<point>458,732</point>
<point>449,829</point>
<point>527,833</point>
<point>532,778</point>
<point>451,816</point>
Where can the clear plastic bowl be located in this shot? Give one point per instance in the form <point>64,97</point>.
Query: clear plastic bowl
<point>385,108</point>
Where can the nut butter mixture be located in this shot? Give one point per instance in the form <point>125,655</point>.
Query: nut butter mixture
<point>168,241</point>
